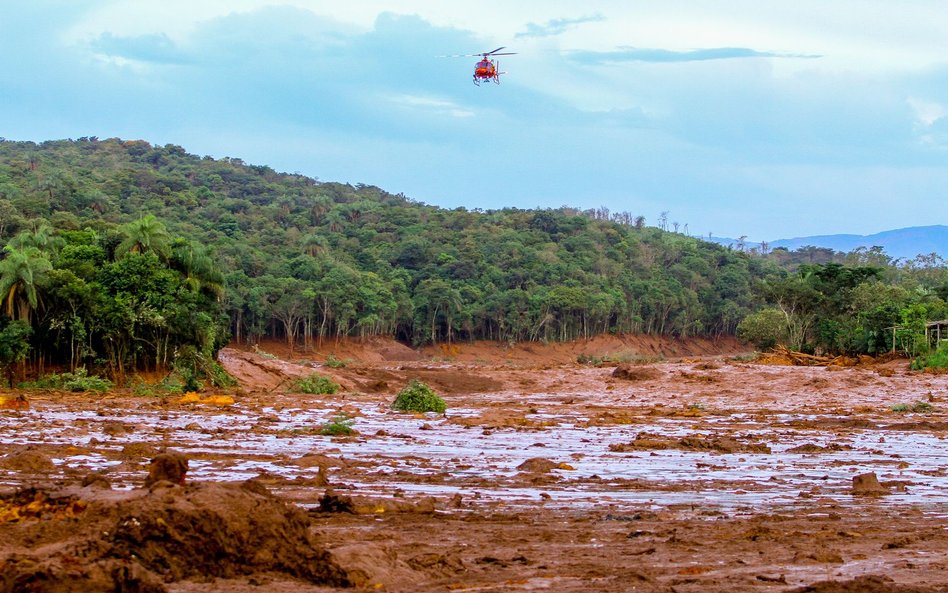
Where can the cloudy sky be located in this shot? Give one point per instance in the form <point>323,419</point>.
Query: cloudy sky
<point>738,117</point>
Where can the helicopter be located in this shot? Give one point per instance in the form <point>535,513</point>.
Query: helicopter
<point>486,70</point>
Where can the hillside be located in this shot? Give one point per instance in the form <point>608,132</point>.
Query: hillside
<point>125,255</point>
<point>903,244</point>
<point>304,259</point>
<point>899,243</point>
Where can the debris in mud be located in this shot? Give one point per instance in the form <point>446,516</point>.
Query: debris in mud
<point>147,539</point>
<point>27,460</point>
<point>868,485</point>
<point>645,440</point>
<point>540,465</point>
<point>138,450</point>
<point>14,402</point>
<point>37,504</point>
<point>168,466</point>
<point>863,584</point>
<point>212,400</point>
<point>822,556</point>
<point>629,372</point>
<point>700,377</point>
<point>810,448</point>
<point>500,419</point>
<point>359,505</point>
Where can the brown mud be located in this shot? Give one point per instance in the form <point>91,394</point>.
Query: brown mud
<point>697,473</point>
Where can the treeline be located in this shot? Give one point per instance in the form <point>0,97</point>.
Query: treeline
<point>256,253</point>
<point>852,309</point>
<point>134,298</point>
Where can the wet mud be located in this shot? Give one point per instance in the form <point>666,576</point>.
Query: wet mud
<point>702,474</point>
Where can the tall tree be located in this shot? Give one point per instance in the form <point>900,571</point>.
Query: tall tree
<point>21,275</point>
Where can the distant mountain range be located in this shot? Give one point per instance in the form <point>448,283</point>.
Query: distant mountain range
<point>899,243</point>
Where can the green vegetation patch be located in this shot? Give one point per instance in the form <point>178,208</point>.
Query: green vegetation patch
<point>340,425</point>
<point>917,407</point>
<point>936,360</point>
<point>78,381</point>
<point>335,363</point>
<point>418,397</point>
<point>317,384</point>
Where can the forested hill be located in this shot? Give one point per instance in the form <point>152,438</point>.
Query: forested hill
<point>121,254</point>
<point>303,258</point>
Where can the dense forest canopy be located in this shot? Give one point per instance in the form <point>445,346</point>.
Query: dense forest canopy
<point>122,254</point>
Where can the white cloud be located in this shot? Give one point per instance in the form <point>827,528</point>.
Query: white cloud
<point>351,91</point>
<point>431,105</point>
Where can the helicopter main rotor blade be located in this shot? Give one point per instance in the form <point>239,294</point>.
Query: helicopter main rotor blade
<point>461,56</point>
<point>510,53</point>
<point>495,51</point>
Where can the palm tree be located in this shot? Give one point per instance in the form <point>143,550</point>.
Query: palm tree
<point>144,235</point>
<point>198,268</point>
<point>21,272</point>
<point>42,237</point>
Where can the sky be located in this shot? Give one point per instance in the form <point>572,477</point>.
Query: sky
<point>768,120</point>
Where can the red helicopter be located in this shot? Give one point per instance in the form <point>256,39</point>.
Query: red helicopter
<point>486,70</point>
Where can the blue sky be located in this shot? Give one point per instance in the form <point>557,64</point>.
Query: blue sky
<point>766,119</point>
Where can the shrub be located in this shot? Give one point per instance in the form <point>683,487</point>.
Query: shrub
<point>194,367</point>
<point>418,397</point>
<point>936,360</point>
<point>317,384</point>
<point>78,381</point>
<point>340,425</point>
<point>765,328</point>
<point>334,363</point>
<point>917,407</point>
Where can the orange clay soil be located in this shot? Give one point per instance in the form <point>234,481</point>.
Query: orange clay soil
<point>696,473</point>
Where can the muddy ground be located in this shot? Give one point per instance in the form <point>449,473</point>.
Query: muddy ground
<point>687,470</point>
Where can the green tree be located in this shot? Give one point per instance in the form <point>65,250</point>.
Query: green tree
<point>147,234</point>
<point>21,275</point>
<point>765,328</point>
<point>14,347</point>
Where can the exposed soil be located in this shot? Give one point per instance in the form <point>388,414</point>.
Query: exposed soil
<point>696,473</point>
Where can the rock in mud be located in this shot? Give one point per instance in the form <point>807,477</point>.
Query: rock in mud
<point>868,485</point>
<point>27,460</point>
<point>362,505</point>
<point>168,466</point>
<point>14,402</point>
<point>537,465</point>
<point>645,440</point>
<point>140,542</point>
<point>628,372</point>
<point>863,584</point>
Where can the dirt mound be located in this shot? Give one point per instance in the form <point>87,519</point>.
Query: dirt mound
<point>606,346</point>
<point>369,350</point>
<point>200,531</point>
<point>868,485</point>
<point>168,466</point>
<point>864,584</point>
<point>782,356</point>
<point>454,381</point>
<point>648,441</point>
<point>628,372</point>
<point>27,460</point>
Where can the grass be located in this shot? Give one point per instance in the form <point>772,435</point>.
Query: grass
<point>79,381</point>
<point>317,384</point>
<point>936,360</point>
<point>340,425</point>
<point>617,358</point>
<point>418,397</point>
<point>917,407</point>
<point>335,363</point>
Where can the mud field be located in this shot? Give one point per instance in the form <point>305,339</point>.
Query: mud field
<point>704,474</point>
